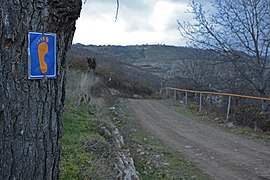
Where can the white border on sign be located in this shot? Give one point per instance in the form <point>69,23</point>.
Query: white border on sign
<point>29,57</point>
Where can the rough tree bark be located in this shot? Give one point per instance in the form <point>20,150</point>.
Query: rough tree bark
<point>31,111</point>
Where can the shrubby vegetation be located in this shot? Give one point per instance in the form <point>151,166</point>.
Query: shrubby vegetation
<point>144,69</point>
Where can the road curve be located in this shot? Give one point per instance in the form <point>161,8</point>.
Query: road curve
<point>216,152</point>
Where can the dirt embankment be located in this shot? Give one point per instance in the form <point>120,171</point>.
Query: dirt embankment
<point>218,153</point>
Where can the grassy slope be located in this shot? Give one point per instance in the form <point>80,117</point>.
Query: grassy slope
<point>76,160</point>
<point>153,159</point>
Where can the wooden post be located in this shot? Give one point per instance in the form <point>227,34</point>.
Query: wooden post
<point>200,110</point>
<point>166,95</point>
<point>161,93</point>
<point>186,98</point>
<point>174,95</point>
<point>228,110</point>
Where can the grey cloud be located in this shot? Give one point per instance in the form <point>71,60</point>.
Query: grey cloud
<point>135,5</point>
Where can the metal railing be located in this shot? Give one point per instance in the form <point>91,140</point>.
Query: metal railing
<point>229,95</point>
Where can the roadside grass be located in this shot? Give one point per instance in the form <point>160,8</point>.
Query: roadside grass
<point>250,133</point>
<point>152,158</point>
<point>79,127</point>
<point>192,112</point>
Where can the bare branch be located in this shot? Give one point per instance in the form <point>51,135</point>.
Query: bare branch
<point>238,31</point>
<point>117,10</point>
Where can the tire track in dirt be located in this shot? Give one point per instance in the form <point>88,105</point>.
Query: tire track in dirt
<point>220,154</point>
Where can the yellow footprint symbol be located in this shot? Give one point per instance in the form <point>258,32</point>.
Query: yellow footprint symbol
<point>42,51</point>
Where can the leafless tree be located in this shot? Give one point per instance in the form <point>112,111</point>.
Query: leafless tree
<point>238,30</point>
<point>199,73</point>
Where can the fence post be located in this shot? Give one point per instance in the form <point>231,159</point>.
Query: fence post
<point>228,110</point>
<point>186,98</point>
<point>174,95</point>
<point>166,93</point>
<point>200,102</point>
<point>264,105</point>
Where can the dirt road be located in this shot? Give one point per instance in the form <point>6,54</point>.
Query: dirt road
<point>220,154</point>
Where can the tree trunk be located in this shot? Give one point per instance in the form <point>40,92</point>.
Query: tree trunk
<point>31,111</point>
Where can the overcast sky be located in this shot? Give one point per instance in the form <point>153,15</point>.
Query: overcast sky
<point>139,22</point>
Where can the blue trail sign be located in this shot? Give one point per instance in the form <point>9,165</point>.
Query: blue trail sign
<point>42,55</point>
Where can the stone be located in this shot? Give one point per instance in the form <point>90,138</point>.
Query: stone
<point>230,125</point>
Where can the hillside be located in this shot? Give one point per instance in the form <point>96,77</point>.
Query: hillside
<point>138,134</point>
<point>160,60</point>
<point>148,65</point>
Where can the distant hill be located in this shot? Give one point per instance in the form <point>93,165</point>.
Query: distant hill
<point>148,65</point>
<point>159,57</point>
